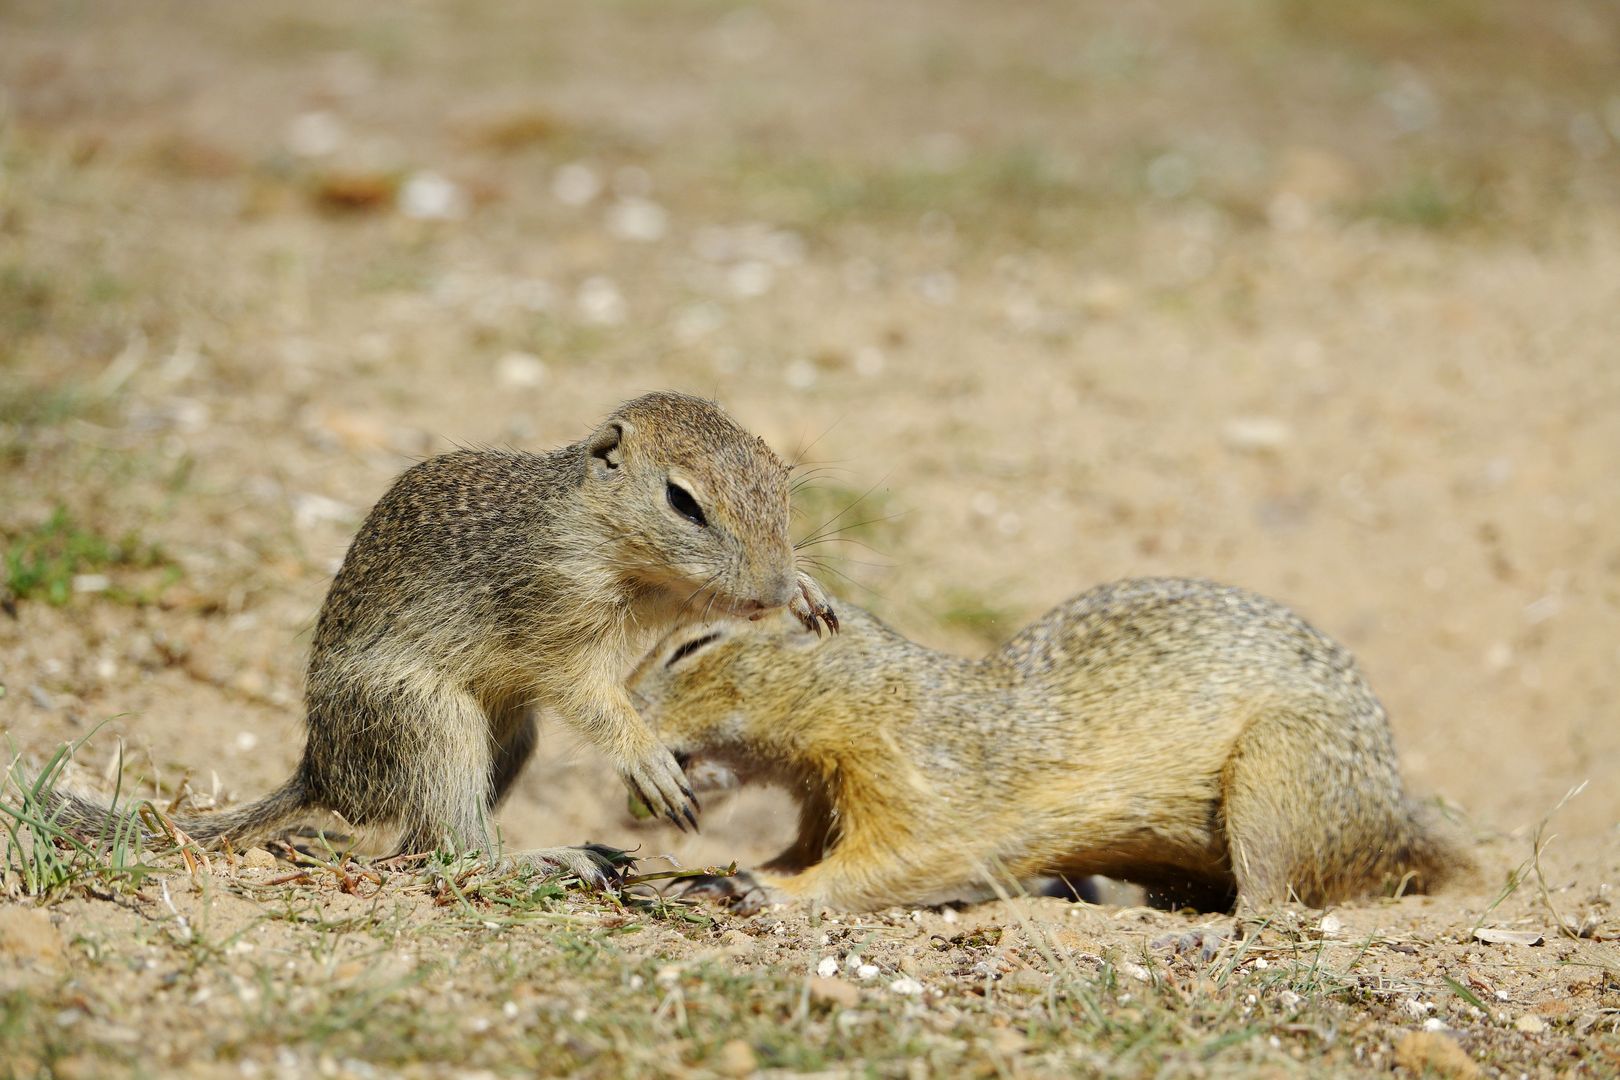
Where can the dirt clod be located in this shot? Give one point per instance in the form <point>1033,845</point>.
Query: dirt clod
<point>834,991</point>
<point>29,937</point>
<point>1434,1051</point>
<point>736,1058</point>
<point>257,858</point>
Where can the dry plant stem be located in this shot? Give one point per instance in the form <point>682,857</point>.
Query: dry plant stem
<point>1538,846</point>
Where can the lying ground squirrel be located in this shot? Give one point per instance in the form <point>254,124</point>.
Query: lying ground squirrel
<point>487,583</point>
<point>1199,740</point>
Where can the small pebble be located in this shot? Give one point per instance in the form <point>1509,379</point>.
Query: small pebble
<point>1434,1051</point>
<point>520,370</point>
<point>575,184</point>
<point>1257,434</point>
<point>428,196</point>
<point>834,992</point>
<point>601,303</point>
<point>735,1058</point>
<point>314,134</point>
<point>257,858</point>
<point>637,220</point>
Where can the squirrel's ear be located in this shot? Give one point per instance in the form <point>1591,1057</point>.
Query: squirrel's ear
<point>605,448</point>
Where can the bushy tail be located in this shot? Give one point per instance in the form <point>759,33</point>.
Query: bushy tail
<point>277,810</point>
<point>1433,854</point>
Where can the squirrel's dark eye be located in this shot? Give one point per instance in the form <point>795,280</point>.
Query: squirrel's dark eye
<point>681,501</point>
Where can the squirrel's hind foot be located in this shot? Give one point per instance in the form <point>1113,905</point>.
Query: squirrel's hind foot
<point>597,866</point>
<point>739,893</point>
<point>1204,943</point>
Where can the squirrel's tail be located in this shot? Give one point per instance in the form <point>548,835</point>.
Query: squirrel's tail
<point>1432,853</point>
<point>279,809</point>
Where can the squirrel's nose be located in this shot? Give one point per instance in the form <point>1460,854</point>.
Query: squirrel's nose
<point>781,589</point>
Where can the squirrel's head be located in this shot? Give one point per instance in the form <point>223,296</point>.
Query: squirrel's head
<point>745,695</point>
<point>690,503</point>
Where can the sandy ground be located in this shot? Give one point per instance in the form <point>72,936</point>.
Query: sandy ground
<point>1321,306</point>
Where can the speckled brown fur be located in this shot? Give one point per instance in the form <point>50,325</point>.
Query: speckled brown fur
<point>486,583</point>
<point>1201,740</point>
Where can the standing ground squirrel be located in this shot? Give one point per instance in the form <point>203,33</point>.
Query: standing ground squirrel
<point>487,583</point>
<point>1199,740</point>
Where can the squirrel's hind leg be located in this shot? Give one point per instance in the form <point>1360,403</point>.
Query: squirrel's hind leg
<point>444,785</point>
<point>1308,808</point>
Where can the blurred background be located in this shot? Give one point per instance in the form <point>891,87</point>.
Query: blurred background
<point>1320,299</point>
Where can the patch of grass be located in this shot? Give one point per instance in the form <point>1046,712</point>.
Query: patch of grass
<point>1015,189</point>
<point>26,300</point>
<point>965,609</point>
<point>834,513</point>
<point>43,562</point>
<point>596,993</point>
<point>40,406</point>
<point>841,531</point>
<point>1426,201</point>
<point>1379,24</point>
<point>45,860</point>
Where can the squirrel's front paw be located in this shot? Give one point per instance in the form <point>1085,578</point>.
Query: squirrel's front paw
<point>811,607</point>
<point>657,780</point>
<point>738,892</point>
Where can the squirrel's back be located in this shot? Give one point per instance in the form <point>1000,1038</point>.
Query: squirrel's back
<point>1186,659</point>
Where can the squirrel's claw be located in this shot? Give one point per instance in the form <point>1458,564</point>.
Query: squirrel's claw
<point>811,607</point>
<point>658,782</point>
<point>597,866</point>
<point>1204,943</point>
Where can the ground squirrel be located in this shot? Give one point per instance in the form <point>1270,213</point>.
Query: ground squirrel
<point>1200,740</point>
<point>487,583</point>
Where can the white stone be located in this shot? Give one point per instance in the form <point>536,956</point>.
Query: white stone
<point>1257,433</point>
<point>428,196</point>
<point>575,184</point>
<point>639,220</point>
<point>314,134</point>
<point>601,303</point>
<point>750,279</point>
<point>520,369</point>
